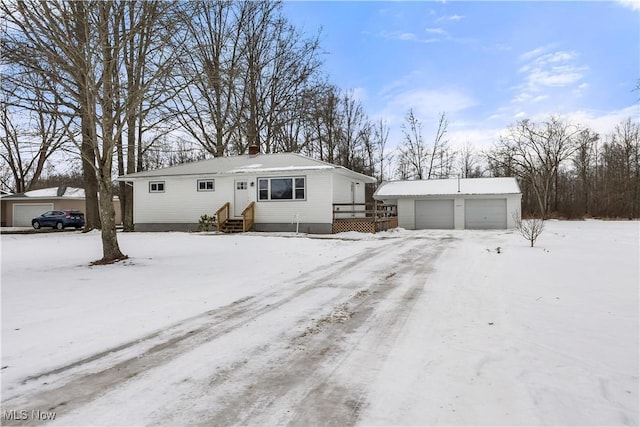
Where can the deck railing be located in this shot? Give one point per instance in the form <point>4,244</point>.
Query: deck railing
<point>366,217</point>
<point>222,215</point>
<point>248,217</point>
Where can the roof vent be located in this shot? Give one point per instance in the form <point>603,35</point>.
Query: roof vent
<point>254,149</point>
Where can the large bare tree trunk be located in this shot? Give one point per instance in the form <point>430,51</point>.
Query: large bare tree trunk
<point>110,247</point>
<point>88,129</point>
<point>92,214</point>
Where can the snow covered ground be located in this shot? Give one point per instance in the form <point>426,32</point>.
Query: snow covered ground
<point>400,328</point>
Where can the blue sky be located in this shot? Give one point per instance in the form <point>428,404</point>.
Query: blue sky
<point>486,64</point>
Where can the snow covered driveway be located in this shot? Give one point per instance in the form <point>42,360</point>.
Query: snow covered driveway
<point>262,329</point>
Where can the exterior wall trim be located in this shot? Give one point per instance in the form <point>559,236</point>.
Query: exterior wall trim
<point>303,227</point>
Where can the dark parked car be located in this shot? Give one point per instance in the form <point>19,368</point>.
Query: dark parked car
<point>59,219</point>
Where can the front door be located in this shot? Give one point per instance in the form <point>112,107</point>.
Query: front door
<point>241,197</point>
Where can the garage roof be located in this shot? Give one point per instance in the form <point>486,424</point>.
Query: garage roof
<point>430,187</point>
<point>62,192</point>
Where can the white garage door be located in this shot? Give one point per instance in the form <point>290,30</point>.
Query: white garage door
<point>434,214</point>
<point>482,214</point>
<point>23,214</point>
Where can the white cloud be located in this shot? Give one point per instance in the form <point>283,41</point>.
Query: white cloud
<point>540,98</point>
<point>560,56</point>
<point>429,103</point>
<point>406,36</point>
<point>528,56</point>
<point>454,18</point>
<point>559,77</point>
<point>544,70</point>
<point>603,122</point>
<point>633,4</point>
<point>435,31</point>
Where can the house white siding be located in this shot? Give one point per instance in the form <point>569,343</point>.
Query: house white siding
<point>182,203</point>
<point>168,199</point>
<point>343,187</point>
<point>315,209</point>
<point>348,190</point>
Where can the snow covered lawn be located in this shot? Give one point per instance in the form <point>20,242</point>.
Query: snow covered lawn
<point>400,328</point>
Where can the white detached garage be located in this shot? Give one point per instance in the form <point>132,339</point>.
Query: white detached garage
<point>471,203</point>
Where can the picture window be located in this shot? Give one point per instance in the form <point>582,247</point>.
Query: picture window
<point>282,188</point>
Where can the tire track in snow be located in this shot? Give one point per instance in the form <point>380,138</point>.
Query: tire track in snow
<point>323,378</point>
<point>69,387</point>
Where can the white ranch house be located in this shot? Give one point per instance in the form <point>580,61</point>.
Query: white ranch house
<point>275,192</point>
<point>470,203</point>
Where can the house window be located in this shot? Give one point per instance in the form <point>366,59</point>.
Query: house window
<point>156,187</point>
<point>282,188</point>
<point>206,185</point>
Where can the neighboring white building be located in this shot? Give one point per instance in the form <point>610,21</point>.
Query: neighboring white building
<point>473,203</point>
<point>290,191</point>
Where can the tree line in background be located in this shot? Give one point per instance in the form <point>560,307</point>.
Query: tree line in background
<point>567,170</point>
<point>125,86</point>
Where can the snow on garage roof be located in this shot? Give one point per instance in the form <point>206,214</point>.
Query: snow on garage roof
<point>447,187</point>
<point>51,192</point>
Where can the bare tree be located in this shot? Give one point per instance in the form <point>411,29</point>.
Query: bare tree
<point>30,135</point>
<point>441,156</point>
<point>325,123</point>
<point>537,151</point>
<point>355,134</point>
<point>583,161</point>
<point>79,46</point>
<point>147,57</point>
<point>423,160</point>
<point>413,151</point>
<point>620,175</point>
<point>469,162</point>
<point>211,72</point>
<point>530,229</point>
<point>52,40</point>
<point>279,65</point>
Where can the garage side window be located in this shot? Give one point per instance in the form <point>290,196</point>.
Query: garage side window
<point>282,188</point>
<point>206,185</point>
<point>156,187</point>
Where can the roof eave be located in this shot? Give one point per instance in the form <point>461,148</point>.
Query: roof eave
<point>362,177</point>
<point>409,196</point>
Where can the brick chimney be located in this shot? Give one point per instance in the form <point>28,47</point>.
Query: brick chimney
<point>254,149</point>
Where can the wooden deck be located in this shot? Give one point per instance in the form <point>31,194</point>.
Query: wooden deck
<point>364,217</point>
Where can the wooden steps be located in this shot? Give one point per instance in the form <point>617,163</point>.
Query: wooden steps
<point>232,226</point>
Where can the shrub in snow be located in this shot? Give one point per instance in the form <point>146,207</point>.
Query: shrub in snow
<point>206,222</point>
<point>530,229</point>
